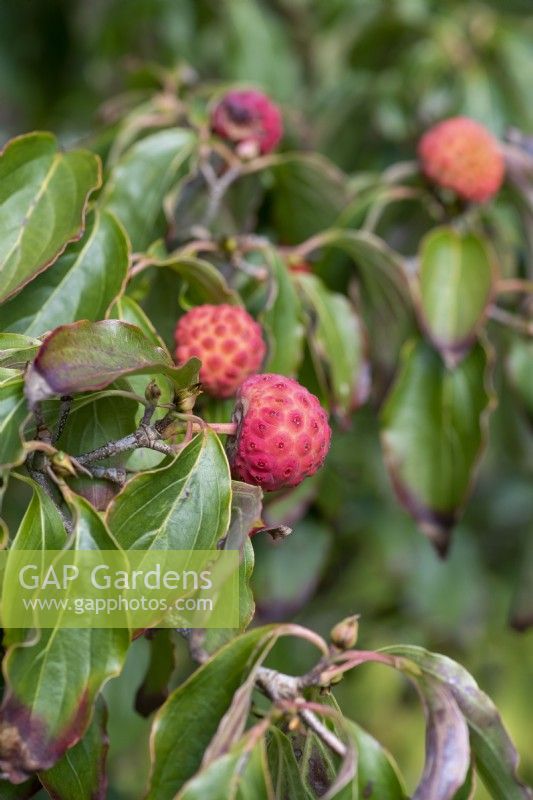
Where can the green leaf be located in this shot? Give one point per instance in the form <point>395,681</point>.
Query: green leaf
<point>284,769</point>
<point>52,678</point>
<point>19,791</point>
<point>281,319</point>
<point>90,425</point>
<point>205,281</point>
<point>41,190</point>
<point>495,756</point>
<point>139,182</point>
<point>80,773</point>
<point>237,775</point>
<point>432,434</point>
<point>187,722</point>
<point>16,350</point>
<point>337,344</point>
<point>456,280</point>
<point>385,296</point>
<point>85,356</point>
<point>154,690</point>
<point>13,413</point>
<point>309,193</point>
<point>378,777</point>
<point>246,505</point>
<point>184,506</point>
<point>519,361</point>
<point>82,284</point>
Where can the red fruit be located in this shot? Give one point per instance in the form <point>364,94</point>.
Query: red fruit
<point>283,434</point>
<point>228,342</point>
<point>250,120</point>
<point>462,155</point>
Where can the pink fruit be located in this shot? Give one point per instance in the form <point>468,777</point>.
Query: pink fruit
<point>283,434</point>
<point>228,342</point>
<point>248,119</point>
<point>462,155</point>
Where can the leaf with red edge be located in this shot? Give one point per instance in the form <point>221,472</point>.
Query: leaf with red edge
<point>81,773</point>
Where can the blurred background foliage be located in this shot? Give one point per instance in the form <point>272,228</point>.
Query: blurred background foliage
<point>358,81</point>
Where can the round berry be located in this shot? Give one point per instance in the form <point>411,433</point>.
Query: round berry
<point>462,155</point>
<point>228,342</point>
<point>249,120</point>
<point>283,434</point>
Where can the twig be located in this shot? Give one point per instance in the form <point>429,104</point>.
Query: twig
<point>46,483</point>
<point>278,687</point>
<point>514,285</point>
<point>217,190</point>
<point>112,474</point>
<point>511,320</point>
<point>145,436</point>
<point>64,411</point>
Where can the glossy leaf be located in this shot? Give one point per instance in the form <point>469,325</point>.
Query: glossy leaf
<point>154,690</point>
<point>520,370</point>
<point>281,319</point>
<point>385,296</point>
<point>378,777</point>
<point>336,341</point>
<point>284,769</point>
<point>205,281</point>
<point>246,505</point>
<point>432,435</point>
<point>13,412</point>
<point>85,356</point>
<point>81,772</point>
<point>184,506</point>
<point>456,277</point>
<point>16,350</point>
<point>140,180</point>
<point>187,722</point>
<point>91,425</point>
<point>41,189</point>
<point>82,284</point>
<point>495,755</point>
<point>53,678</point>
<point>308,195</point>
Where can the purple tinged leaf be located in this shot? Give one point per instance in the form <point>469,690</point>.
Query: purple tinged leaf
<point>85,356</point>
<point>447,746</point>
<point>495,755</point>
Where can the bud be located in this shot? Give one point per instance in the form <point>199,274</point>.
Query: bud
<point>62,465</point>
<point>184,399</point>
<point>344,634</point>
<point>152,393</point>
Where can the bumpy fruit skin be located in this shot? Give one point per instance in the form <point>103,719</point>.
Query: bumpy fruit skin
<point>462,155</point>
<point>250,120</point>
<point>283,434</point>
<point>228,342</point>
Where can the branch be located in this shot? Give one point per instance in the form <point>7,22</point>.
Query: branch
<point>278,687</point>
<point>145,436</point>
<point>511,320</point>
